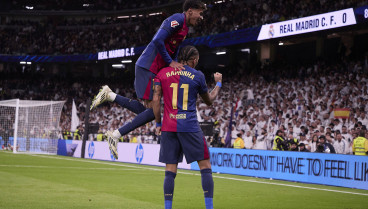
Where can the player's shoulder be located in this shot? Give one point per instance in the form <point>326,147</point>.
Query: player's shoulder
<point>195,72</point>
<point>176,19</point>
<point>164,70</point>
<point>177,16</point>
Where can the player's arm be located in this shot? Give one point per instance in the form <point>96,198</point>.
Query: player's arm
<point>156,105</point>
<point>208,98</point>
<point>169,27</point>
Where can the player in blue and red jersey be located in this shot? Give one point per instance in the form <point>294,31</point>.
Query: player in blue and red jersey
<point>160,52</point>
<point>181,133</point>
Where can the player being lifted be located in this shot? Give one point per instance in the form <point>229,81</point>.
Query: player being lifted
<point>180,128</point>
<point>160,52</point>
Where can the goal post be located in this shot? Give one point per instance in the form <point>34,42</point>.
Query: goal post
<point>30,125</point>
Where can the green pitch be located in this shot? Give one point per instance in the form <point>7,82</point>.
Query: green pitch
<point>42,181</point>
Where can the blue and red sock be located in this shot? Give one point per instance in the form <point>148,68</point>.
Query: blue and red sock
<point>207,185</point>
<point>132,105</point>
<point>139,120</point>
<point>169,184</point>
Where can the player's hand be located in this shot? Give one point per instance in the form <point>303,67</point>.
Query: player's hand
<point>177,65</point>
<point>218,77</point>
<point>158,131</point>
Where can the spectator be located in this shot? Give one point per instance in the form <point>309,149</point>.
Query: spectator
<point>68,35</point>
<point>248,141</point>
<point>302,148</point>
<point>239,143</point>
<point>323,146</point>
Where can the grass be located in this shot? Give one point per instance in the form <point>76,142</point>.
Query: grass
<point>42,181</point>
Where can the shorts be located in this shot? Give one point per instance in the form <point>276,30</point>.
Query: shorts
<point>143,83</point>
<point>174,144</point>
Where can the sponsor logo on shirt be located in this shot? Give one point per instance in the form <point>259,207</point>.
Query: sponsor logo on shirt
<point>174,23</point>
<point>178,116</point>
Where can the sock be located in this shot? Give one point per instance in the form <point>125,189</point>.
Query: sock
<point>132,105</point>
<point>139,120</point>
<point>169,184</point>
<point>168,204</point>
<point>207,185</point>
<point>208,202</point>
<point>116,134</point>
<point>111,96</point>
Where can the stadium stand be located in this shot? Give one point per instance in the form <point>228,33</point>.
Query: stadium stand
<point>300,105</point>
<point>78,34</point>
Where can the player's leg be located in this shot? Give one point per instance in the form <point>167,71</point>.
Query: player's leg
<point>106,94</point>
<point>195,149</point>
<point>169,184</point>
<point>171,154</point>
<point>143,85</point>
<point>207,182</point>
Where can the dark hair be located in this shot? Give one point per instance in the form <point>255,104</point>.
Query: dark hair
<point>187,53</point>
<point>193,4</point>
<point>362,133</point>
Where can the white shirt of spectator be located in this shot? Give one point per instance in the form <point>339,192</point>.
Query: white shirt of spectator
<point>261,143</point>
<point>250,94</point>
<point>248,141</point>
<point>340,146</point>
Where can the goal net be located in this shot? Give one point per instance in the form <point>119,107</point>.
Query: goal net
<point>30,126</point>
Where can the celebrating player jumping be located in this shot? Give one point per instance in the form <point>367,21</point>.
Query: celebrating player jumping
<point>160,52</point>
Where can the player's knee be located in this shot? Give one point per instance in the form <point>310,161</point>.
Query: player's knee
<point>204,164</point>
<point>171,167</point>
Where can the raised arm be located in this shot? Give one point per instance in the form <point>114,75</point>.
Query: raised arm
<point>208,98</point>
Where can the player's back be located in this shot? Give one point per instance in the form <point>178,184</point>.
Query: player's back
<point>180,90</point>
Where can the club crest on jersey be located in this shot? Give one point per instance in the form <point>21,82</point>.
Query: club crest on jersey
<point>174,23</point>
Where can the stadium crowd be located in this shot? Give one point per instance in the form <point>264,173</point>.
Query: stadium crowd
<point>92,34</point>
<point>90,5</point>
<point>301,105</point>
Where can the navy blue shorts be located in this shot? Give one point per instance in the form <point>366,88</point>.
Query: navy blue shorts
<point>143,83</point>
<point>174,144</point>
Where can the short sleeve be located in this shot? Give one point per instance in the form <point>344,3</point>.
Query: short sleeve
<point>157,80</point>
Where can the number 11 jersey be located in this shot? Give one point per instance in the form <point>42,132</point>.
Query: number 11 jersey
<point>180,90</point>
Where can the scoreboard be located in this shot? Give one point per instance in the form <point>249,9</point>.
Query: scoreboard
<point>361,14</point>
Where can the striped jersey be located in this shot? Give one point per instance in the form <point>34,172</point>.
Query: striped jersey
<point>164,46</point>
<point>179,91</point>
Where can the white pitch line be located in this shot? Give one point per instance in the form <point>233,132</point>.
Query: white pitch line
<point>220,177</point>
<point>78,168</point>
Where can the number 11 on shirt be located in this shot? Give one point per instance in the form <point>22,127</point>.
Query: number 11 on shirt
<point>185,88</point>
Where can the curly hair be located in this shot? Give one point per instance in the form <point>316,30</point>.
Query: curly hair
<point>194,4</point>
<point>187,53</point>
